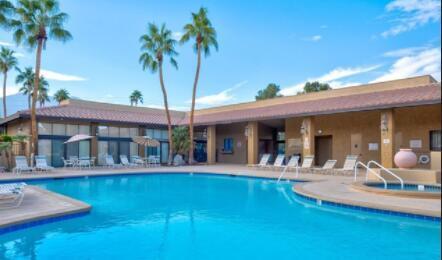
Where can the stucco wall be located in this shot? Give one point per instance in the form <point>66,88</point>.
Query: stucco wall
<point>235,131</point>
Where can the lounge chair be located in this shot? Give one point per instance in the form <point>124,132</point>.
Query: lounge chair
<point>307,163</point>
<point>293,163</point>
<point>11,195</point>
<point>263,162</point>
<point>110,162</point>
<point>84,162</point>
<point>349,165</point>
<point>326,168</point>
<point>125,161</point>
<point>153,160</point>
<point>41,164</point>
<point>21,165</point>
<point>67,163</point>
<point>278,163</point>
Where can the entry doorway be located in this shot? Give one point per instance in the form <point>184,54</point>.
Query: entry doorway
<point>323,149</point>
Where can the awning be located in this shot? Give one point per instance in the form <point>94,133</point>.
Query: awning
<point>77,138</point>
<point>146,141</point>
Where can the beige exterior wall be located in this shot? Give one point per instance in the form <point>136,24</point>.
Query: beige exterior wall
<point>235,131</point>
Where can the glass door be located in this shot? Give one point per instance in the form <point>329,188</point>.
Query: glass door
<point>57,153</point>
<point>113,150</point>
<point>164,152</point>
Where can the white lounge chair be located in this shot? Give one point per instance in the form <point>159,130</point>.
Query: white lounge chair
<point>21,165</point>
<point>307,163</point>
<point>137,160</point>
<point>293,163</point>
<point>328,166</point>
<point>153,160</point>
<point>263,162</point>
<point>41,164</point>
<point>84,162</point>
<point>125,161</point>
<point>11,195</point>
<point>349,165</point>
<point>67,163</point>
<point>278,163</point>
<point>111,163</point>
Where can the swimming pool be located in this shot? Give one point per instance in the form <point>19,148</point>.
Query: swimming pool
<point>407,187</point>
<point>182,216</point>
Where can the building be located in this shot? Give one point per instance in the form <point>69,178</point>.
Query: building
<point>372,121</point>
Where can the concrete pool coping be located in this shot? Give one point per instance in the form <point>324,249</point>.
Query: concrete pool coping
<point>362,185</point>
<point>425,207</point>
<point>40,206</point>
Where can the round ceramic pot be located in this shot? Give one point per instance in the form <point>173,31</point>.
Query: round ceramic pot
<point>405,159</point>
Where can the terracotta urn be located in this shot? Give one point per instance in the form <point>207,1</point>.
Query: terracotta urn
<point>405,159</point>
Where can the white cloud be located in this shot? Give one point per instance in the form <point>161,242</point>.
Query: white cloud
<point>177,35</point>
<point>324,26</point>
<point>339,84</point>
<point>330,77</point>
<point>10,90</point>
<point>220,98</point>
<point>52,75</point>
<point>314,38</point>
<point>19,55</point>
<point>413,13</point>
<point>177,108</point>
<point>404,51</point>
<point>421,63</point>
<point>6,44</point>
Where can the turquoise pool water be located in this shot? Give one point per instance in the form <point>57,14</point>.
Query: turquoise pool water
<point>182,216</point>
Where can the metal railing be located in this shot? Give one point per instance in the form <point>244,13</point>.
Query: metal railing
<point>367,171</point>
<point>285,170</point>
<point>386,170</point>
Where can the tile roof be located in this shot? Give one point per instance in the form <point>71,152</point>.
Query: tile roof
<point>428,94</point>
<point>118,114</point>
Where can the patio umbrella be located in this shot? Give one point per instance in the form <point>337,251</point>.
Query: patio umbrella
<point>77,138</point>
<point>146,141</point>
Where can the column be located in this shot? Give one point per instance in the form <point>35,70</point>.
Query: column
<point>211,144</point>
<point>308,136</point>
<point>252,143</point>
<point>141,148</point>
<point>387,138</point>
<point>94,141</point>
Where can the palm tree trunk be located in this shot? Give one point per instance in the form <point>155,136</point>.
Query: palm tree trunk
<point>34,137</point>
<point>192,109</point>
<point>166,107</point>
<point>4,94</point>
<point>29,101</point>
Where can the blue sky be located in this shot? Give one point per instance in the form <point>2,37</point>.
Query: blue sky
<point>286,42</point>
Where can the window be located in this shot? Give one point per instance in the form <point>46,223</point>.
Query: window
<point>165,134</point>
<point>103,130</point>
<point>84,130</point>
<point>44,148</point>
<point>133,149</point>
<point>156,134</point>
<point>435,140</point>
<point>84,148</point>
<point>71,130</point>
<point>114,131</point>
<point>149,132</point>
<point>133,132</point>
<point>228,145</point>
<point>102,152</point>
<point>280,136</point>
<point>58,129</point>
<point>44,129</point>
<point>124,132</point>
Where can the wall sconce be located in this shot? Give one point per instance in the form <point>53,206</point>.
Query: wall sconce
<point>384,123</point>
<point>319,131</point>
<point>205,133</point>
<point>246,131</point>
<point>304,128</point>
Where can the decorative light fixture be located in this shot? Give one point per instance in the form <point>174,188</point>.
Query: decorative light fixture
<point>304,127</point>
<point>246,131</point>
<point>384,123</point>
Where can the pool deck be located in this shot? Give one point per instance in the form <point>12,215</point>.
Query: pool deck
<point>40,204</point>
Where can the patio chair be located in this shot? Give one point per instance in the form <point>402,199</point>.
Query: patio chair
<point>153,160</point>
<point>328,166</point>
<point>67,163</point>
<point>263,162</point>
<point>137,160</point>
<point>84,162</point>
<point>278,163</point>
<point>125,161</point>
<point>41,164</point>
<point>293,163</point>
<point>307,163</point>
<point>21,165</point>
<point>349,165</point>
<point>109,162</point>
<point>11,195</point>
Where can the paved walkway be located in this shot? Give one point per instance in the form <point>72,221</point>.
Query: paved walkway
<point>325,187</point>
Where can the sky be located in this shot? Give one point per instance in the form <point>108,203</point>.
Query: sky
<point>343,43</point>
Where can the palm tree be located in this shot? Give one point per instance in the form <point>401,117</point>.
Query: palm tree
<point>61,94</point>
<point>156,44</point>
<point>35,21</point>
<point>27,78</point>
<point>202,31</point>
<point>7,61</point>
<point>43,90</point>
<point>136,97</point>
<point>6,8</point>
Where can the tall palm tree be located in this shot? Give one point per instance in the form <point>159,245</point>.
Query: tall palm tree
<point>202,31</point>
<point>155,45</point>
<point>136,97</point>
<point>27,78</point>
<point>6,8</point>
<point>7,62</point>
<point>34,23</point>
<point>61,94</point>
<point>43,90</point>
